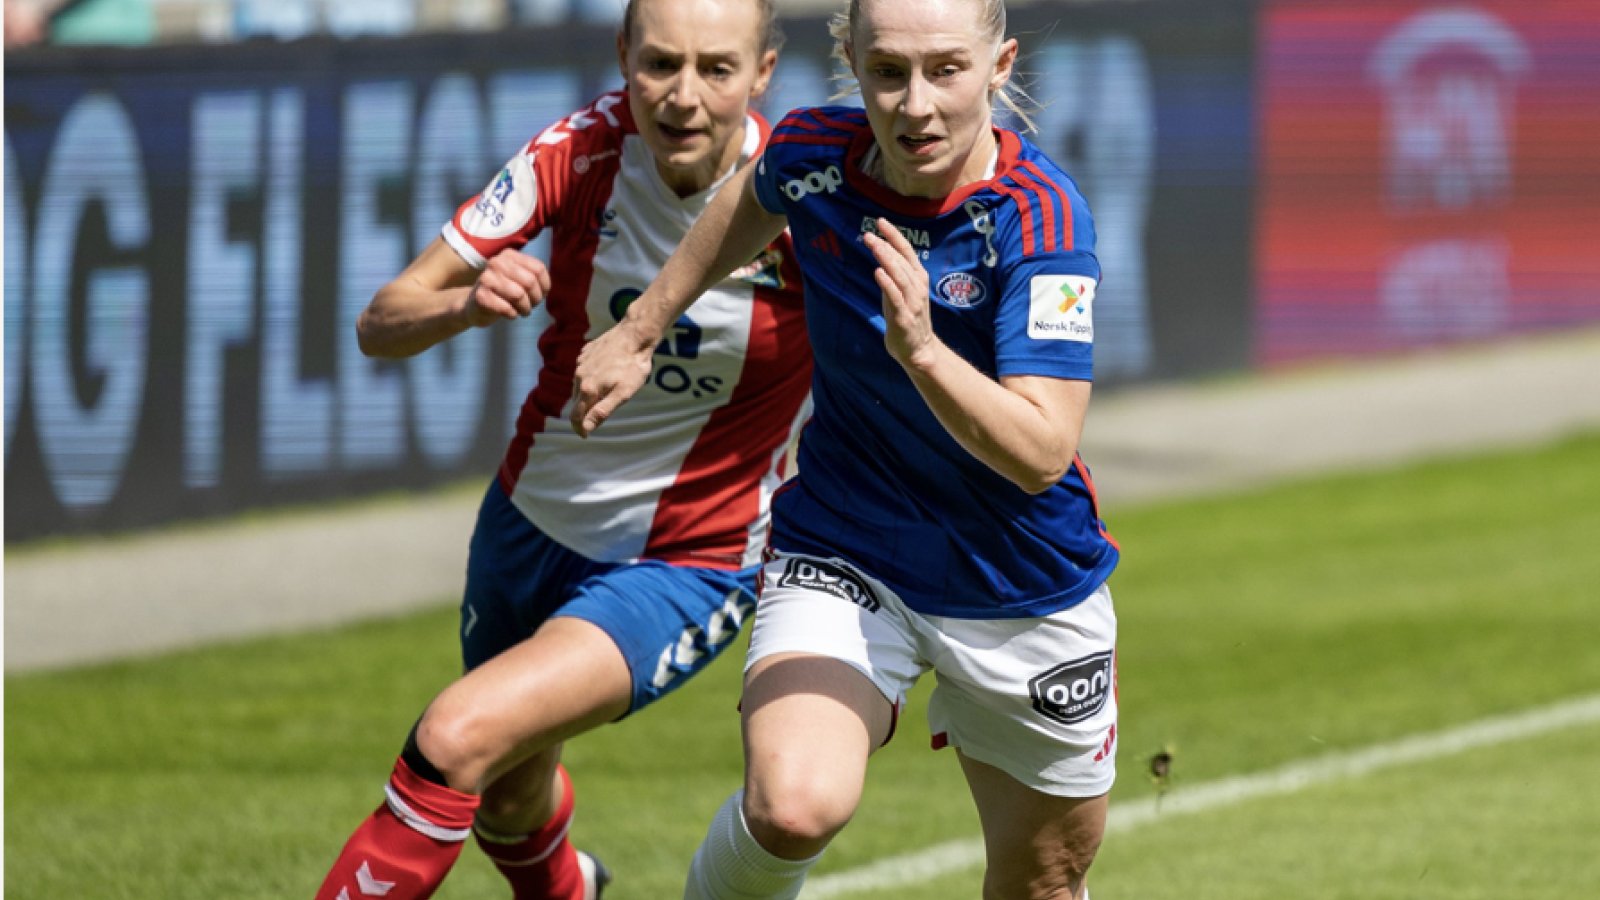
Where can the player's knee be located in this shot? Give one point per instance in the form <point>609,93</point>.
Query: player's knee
<point>457,743</point>
<point>795,816</point>
<point>1054,873</point>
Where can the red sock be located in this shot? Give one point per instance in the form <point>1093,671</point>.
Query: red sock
<point>543,865</point>
<point>405,848</point>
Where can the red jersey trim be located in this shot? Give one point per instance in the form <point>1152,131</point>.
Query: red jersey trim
<point>1094,501</point>
<point>1062,198</point>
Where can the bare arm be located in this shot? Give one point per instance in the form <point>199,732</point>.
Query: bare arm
<point>1024,427</point>
<point>441,295</point>
<point>613,367</point>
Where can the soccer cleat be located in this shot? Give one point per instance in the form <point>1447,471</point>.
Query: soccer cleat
<point>595,876</point>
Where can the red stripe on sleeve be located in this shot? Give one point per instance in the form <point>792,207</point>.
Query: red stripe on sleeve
<point>1045,206</point>
<point>1021,198</point>
<point>1067,242</point>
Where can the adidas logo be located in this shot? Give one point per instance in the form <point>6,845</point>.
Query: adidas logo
<point>828,243</point>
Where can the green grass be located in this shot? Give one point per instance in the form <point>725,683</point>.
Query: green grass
<point>1255,630</point>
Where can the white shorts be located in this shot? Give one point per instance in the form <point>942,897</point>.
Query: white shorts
<point>1035,698</point>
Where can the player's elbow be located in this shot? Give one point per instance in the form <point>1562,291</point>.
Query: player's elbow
<point>1037,482</point>
<point>1044,472</point>
<point>373,340</point>
<point>366,339</point>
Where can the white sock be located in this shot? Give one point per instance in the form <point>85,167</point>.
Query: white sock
<point>731,865</point>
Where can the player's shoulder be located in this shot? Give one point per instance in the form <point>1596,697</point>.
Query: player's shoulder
<point>1041,207</point>
<point>595,128</point>
<point>813,129</point>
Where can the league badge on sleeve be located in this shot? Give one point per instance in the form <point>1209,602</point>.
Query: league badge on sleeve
<point>506,204</point>
<point>1061,308</point>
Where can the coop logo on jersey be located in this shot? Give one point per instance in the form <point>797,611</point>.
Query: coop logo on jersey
<point>825,181</point>
<point>1061,308</point>
<point>960,290</point>
<point>816,575</point>
<point>1073,692</point>
<point>505,205</point>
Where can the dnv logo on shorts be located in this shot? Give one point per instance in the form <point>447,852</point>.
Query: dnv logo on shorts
<point>825,181</point>
<point>1075,691</point>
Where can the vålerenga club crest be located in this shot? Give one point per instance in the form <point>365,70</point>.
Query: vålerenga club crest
<point>961,290</point>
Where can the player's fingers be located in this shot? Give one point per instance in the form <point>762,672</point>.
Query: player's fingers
<point>489,305</point>
<point>590,408</point>
<point>891,261</point>
<point>503,295</point>
<point>895,239</point>
<point>595,416</point>
<point>520,273</point>
<point>892,294</point>
<point>541,279</point>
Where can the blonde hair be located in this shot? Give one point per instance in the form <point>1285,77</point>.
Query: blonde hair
<point>992,20</point>
<point>769,38</point>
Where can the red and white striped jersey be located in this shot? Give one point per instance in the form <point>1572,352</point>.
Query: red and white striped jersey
<point>683,472</point>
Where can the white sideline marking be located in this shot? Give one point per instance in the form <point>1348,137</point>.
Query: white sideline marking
<point>960,855</point>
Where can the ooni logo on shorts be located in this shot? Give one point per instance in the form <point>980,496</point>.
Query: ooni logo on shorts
<point>828,180</point>
<point>1073,692</point>
<point>816,575</point>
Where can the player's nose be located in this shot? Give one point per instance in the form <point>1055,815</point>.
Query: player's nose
<point>685,90</point>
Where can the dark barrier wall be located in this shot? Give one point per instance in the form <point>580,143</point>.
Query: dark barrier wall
<point>191,233</point>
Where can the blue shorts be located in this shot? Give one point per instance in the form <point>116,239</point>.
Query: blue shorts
<point>668,621</point>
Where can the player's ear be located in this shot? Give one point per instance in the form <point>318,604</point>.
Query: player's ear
<point>1004,60</point>
<point>765,65</point>
<point>622,55</point>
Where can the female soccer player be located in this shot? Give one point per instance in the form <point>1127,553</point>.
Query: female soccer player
<point>604,573</point>
<point>941,518</point>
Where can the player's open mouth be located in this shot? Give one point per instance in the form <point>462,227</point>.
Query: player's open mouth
<point>919,145</point>
<point>672,133</point>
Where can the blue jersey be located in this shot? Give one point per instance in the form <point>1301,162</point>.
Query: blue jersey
<point>882,484</point>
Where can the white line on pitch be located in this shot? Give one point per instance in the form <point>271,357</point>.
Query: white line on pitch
<point>960,855</point>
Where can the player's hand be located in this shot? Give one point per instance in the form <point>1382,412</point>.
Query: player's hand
<point>510,286</point>
<point>907,320</point>
<point>611,369</point>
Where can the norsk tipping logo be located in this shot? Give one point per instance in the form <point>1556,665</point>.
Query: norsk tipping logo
<point>1070,295</point>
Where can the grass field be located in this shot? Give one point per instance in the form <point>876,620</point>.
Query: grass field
<point>1257,630</point>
